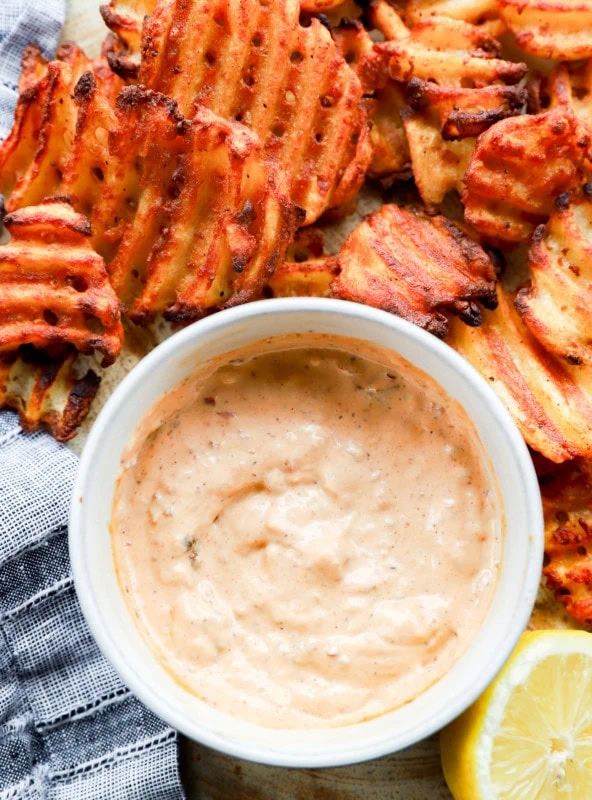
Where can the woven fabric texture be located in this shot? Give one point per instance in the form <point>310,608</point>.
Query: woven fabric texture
<point>69,729</point>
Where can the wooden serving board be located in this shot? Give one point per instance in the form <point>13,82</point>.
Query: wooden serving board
<point>414,774</point>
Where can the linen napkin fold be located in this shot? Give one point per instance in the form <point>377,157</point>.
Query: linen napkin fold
<point>69,729</point>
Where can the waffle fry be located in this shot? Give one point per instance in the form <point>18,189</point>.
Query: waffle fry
<point>197,218</point>
<point>415,266</point>
<point>453,52</point>
<point>556,306</point>
<point>460,105</point>
<point>518,169</point>
<point>466,112</point>
<point>256,64</point>
<point>383,17</point>
<point>125,19</point>
<point>58,143</point>
<point>550,400</point>
<point>44,391</point>
<point>311,278</point>
<point>571,87</point>
<point>567,505</point>
<point>559,29</point>
<point>483,13</point>
<point>392,158</point>
<point>54,288</point>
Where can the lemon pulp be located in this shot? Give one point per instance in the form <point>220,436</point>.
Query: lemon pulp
<point>529,737</point>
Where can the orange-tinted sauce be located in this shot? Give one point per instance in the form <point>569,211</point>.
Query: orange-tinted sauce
<point>307,537</point>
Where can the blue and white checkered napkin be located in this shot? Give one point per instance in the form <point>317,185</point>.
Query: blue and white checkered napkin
<point>69,729</point>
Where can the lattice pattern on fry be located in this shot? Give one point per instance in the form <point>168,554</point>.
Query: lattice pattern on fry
<point>556,305</point>
<point>556,29</point>
<point>452,53</point>
<point>567,505</point>
<point>198,220</point>
<point>54,288</point>
<point>254,62</point>
<point>45,392</point>
<point>466,112</point>
<point>456,88</point>
<point>519,167</point>
<point>483,13</point>
<point>59,141</point>
<point>415,266</point>
<point>550,400</point>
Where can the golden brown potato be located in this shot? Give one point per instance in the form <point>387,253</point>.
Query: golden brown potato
<point>465,112</point>
<point>483,13</point>
<point>59,141</point>
<point>318,6</point>
<point>450,52</point>
<point>384,17</point>
<point>567,504</point>
<point>571,87</point>
<point>197,219</point>
<point>310,278</point>
<point>125,19</point>
<point>556,29</point>
<point>255,63</point>
<point>550,400</point>
<point>518,169</point>
<point>391,158</point>
<point>557,304</point>
<point>357,48</point>
<point>44,391</point>
<point>415,266</point>
<point>438,165</point>
<point>447,66</point>
<point>54,288</point>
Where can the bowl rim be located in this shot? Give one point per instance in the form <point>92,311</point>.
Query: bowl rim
<point>156,359</point>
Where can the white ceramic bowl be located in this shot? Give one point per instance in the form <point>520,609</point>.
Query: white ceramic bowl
<point>108,616</point>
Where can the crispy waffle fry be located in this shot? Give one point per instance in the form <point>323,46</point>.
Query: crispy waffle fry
<point>556,306</point>
<point>45,392</point>
<point>450,52</point>
<point>556,29</point>
<point>311,278</point>
<point>447,65</point>
<point>255,63</point>
<point>550,400</point>
<point>54,288</point>
<point>391,150</point>
<point>466,112</point>
<point>571,86</point>
<point>483,13</point>
<point>125,19</point>
<point>391,159</point>
<point>317,6</point>
<point>567,504</point>
<point>357,48</point>
<point>384,17</point>
<point>519,167</point>
<point>58,143</point>
<point>197,218</point>
<point>415,266</point>
<point>438,165</point>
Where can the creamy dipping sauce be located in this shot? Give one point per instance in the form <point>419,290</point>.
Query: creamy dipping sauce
<point>307,536</point>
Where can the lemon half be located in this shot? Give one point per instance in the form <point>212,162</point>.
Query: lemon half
<point>529,737</point>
